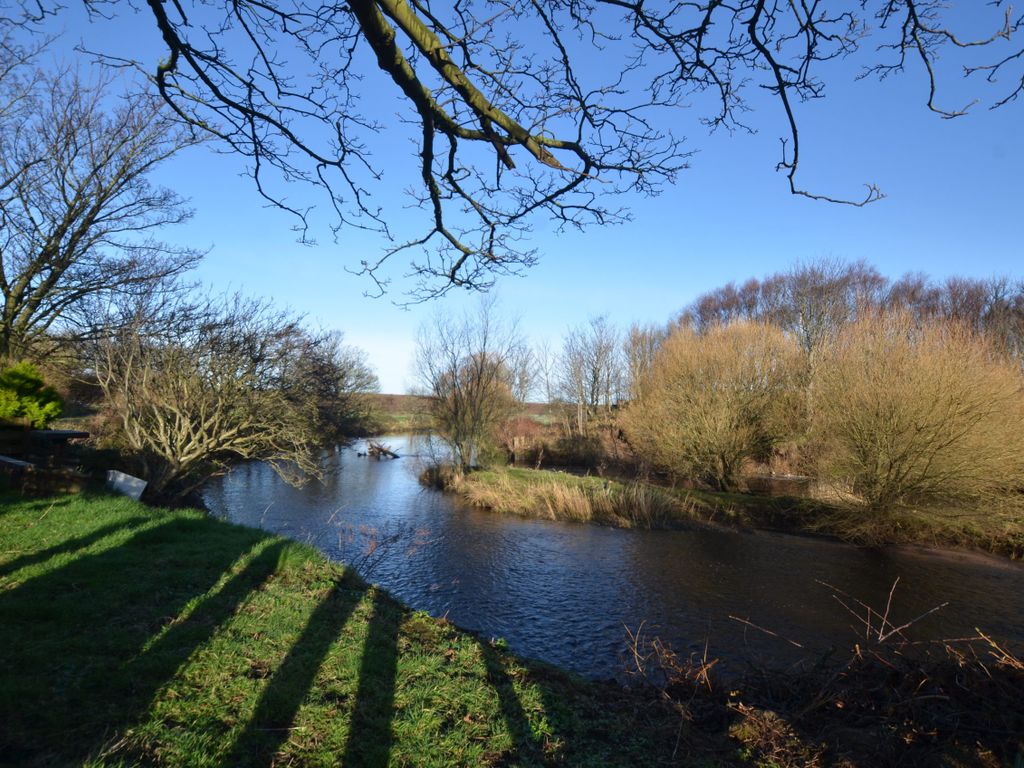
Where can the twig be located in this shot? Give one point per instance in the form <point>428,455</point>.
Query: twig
<point>749,623</point>
<point>46,512</point>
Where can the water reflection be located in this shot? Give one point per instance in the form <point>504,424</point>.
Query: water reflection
<point>565,593</point>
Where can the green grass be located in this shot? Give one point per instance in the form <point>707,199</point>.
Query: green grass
<point>398,414</point>
<point>133,636</point>
<point>400,423</point>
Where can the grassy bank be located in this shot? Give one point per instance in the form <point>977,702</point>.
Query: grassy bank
<point>133,636</point>
<point>590,499</point>
<point>563,496</point>
<point>138,636</point>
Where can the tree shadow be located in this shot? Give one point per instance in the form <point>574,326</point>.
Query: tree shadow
<point>525,750</point>
<point>12,499</point>
<point>163,656</point>
<point>275,712</point>
<point>70,545</point>
<point>369,738</point>
<point>61,690</point>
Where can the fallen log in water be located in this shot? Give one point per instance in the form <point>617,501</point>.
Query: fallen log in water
<point>380,451</point>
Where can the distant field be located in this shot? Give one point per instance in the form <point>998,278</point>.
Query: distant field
<point>403,413</point>
<point>400,413</point>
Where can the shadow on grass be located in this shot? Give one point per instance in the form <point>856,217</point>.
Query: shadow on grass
<point>369,737</point>
<point>74,666</point>
<point>275,712</point>
<point>525,750</point>
<point>70,545</point>
<point>12,500</point>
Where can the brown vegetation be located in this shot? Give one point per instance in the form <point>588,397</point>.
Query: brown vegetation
<point>195,388</point>
<point>814,301</point>
<point>472,368</point>
<point>566,497</point>
<point>900,428</point>
<point>909,413</point>
<point>712,402</point>
<point>889,702</point>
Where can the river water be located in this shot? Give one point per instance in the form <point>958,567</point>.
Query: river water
<point>567,593</point>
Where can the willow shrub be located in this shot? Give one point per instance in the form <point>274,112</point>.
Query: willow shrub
<point>910,414</point>
<point>713,401</point>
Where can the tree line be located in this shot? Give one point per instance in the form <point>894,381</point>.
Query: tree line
<point>813,301</point>
<point>891,394</point>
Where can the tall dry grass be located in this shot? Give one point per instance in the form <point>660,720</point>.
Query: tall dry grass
<point>583,500</point>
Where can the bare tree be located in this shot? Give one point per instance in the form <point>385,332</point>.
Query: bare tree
<point>914,293</point>
<point>1004,316</point>
<point>339,378</point>
<point>77,211</point>
<point>199,386</point>
<point>507,120</point>
<point>545,360</point>
<point>591,370</point>
<point>812,300</point>
<point>468,365</point>
<point>640,349</point>
<point>816,300</point>
<point>824,295</point>
<point>993,307</point>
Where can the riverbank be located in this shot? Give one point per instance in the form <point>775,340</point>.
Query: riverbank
<point>133,635</point>
<point>553,495</point>
<point>141,636</point>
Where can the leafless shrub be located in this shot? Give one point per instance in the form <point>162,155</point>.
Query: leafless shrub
<point>909,413</point>
<point>199,386</point>
<point>471,367</point>
<point>713,401</point>
<point>769,740</point>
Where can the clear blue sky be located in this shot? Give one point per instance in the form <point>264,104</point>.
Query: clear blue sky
<point>955,205</point>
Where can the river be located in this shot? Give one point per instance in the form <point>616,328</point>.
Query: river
<point>567,593</point>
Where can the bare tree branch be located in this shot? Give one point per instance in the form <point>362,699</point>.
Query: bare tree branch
<point>512,122</point>
<point>196,386</point>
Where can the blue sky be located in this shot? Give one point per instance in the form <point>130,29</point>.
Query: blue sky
<point>955,205</point>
